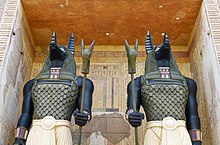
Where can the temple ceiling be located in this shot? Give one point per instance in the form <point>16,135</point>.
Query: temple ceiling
<point>109,22</point>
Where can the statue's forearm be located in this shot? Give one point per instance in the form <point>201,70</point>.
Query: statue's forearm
<point>25,120</point>
<point>23,126</point>
<point>137,94</point>
<point>88,94</point>
<point>193,122</point>
<point>26,117</point>
<point>192,116</point>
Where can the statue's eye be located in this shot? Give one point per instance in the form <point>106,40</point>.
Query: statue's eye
<point>61,48</point>
<point>158,48</point>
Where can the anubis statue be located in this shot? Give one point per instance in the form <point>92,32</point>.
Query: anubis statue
<point>50,99</point>
<point>167,97</point>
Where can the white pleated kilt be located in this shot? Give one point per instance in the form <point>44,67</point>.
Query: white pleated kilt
<point>167,132</point>
<point>49,131</point>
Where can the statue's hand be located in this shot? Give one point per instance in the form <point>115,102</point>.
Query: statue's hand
<point>135,118</point>
<point>19,141</point>
<point>81,118</point>
<point>86,54</point>
<point>196,143</point>
<point>132,55</point>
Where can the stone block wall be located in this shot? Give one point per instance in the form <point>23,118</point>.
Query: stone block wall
<point>15,71</point>
<point>2,6</point>
<point>205,70</point>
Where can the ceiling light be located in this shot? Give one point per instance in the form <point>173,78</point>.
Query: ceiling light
<point>107,34</point>
<point>160,6</point>
<point>62,6</point>
<point>177,18</point>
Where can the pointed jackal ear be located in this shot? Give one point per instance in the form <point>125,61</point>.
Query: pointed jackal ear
<point>54,38</point>
<point>149,43</point>
<point>71,44</point>
<point>166,39</point>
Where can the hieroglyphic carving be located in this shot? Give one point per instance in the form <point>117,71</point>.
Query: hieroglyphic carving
<point>205,73</point>
<point>106,79</point>
<point>6,26</point>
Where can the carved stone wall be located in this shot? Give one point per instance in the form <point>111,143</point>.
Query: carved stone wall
<point>16,70</point>
<point>2,5</point>
<point>213,15</point>
<point>205,70</point>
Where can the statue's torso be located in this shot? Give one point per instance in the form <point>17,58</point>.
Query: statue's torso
<point>164,97</point>
<point>55,98</point>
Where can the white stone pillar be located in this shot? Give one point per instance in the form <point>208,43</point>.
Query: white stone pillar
<point>213,13</point>
<point>15,67</point>
<point>6,25</point>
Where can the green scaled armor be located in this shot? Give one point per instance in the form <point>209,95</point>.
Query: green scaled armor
<point>56,97</point>
<point>163,97</point>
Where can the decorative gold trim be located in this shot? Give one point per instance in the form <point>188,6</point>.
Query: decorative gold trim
<point>195,135</point>
<point>21,132</point>
<point>128,112</point>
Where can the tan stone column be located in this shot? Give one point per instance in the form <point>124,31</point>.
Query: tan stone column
<point>15,67</point>
<point>204,65</point>
<point>213,13</point>
<point>6,25</point>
